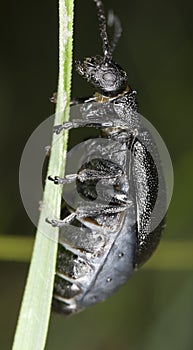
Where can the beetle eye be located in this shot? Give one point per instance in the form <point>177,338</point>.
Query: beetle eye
<point>109,77</point>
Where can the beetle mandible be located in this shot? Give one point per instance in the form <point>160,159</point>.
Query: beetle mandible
<point>101,245</point>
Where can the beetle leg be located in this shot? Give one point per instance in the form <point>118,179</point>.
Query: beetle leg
<point>62,180</point>
<point>53,99</point>
<point>74,101</point>
<point>133,139</point>
<point>87,211</point>
<point>47,150</point>
<point>79,123</point>
<point>60,223</point>
<point>85,175</point>
<point>92,174</point>
<point>120,199</point>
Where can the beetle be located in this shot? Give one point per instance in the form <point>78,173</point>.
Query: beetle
<point>102,243</point>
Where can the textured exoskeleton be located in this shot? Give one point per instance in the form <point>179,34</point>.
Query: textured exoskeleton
<point>115,212</point>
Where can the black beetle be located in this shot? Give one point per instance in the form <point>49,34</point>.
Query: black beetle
<point>101,243</point>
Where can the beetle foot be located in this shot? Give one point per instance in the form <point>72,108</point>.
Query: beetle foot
<point>57,129</point>
<point>47,150</point>
<point>62,180</point>
<point>53,99</point>
<point>66,126</point>
<point>61,223</point>
<point>55,222</point>
<point>56,179</point>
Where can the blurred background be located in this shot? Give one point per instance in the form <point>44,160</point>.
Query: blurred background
<point>154,310</point>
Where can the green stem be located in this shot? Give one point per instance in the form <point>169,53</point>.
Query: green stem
<point>34,315</point>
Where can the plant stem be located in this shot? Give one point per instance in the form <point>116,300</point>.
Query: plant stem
<point>36,305</point>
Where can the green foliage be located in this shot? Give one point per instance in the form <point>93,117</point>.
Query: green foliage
<point>35,310</point>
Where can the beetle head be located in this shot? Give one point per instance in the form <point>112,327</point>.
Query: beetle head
<point>105,75</point>
<point>101,71</point>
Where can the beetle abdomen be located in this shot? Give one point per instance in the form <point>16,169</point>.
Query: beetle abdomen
<point>88,278</point>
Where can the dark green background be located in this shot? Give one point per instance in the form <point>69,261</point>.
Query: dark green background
<point>154,310</point>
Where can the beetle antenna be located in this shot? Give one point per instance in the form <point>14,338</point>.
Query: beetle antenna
<point>113,20</point>
<point>103,30</point>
